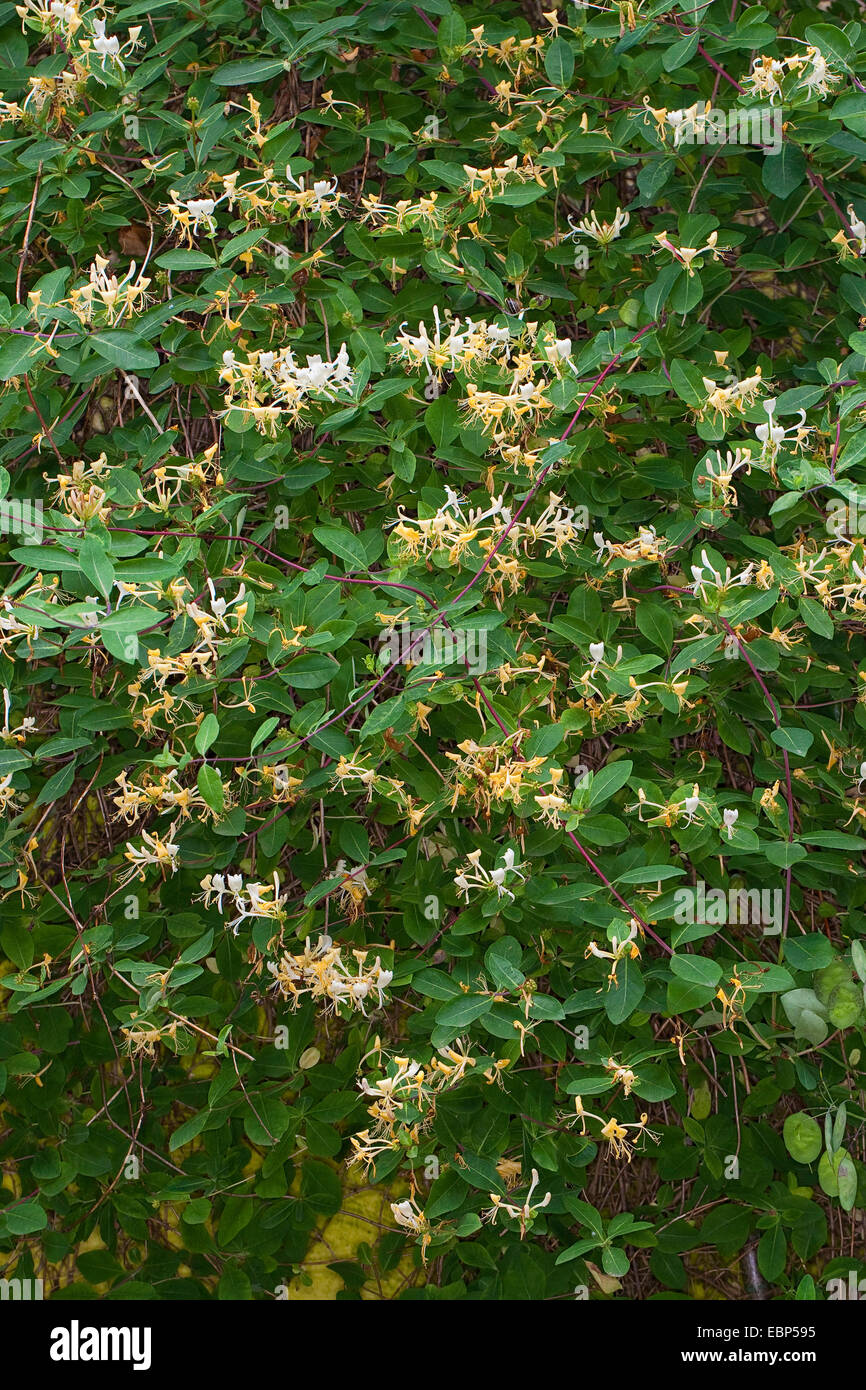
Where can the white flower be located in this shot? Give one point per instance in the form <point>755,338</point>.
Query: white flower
<point>153,851</point>
<point>220,606</point>
<point>858,227</point>
<point>201,210</point>
<point>772,436</point>
<point>106,46</point>
<point>498,334</point>
<point>596,651</point>
<point>602,232</point>
<point>730,819</point>
<point>324,188</point>
<point>818,77</point>
<point>474,875</point>
<point>714,579</point>
<point>524,1214</point>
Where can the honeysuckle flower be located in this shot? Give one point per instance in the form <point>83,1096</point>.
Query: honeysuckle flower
<point>106,46</point>
<point>7,794</point>
<point>143,1041</point>
<point>617,1136</point>
<point>622,1075</point>
<point>154,850</point>
<point>453,1062</point>
<point>733,1000</point>
<point>817,78</point>
<point>765,79</point>
<point>66,14</point>
<point>354,889</point>
<point>323,198</point>
<point>858,227</point>
<point>670,813</point>
<point>689,123</point>
<point>686,255</point>
<point>602,232</point>
<point>730,818</point>
<point>659,114</point>
<point>18,734</point>
<point>771,436</point>
<point>720,473</point>
<point>725,400</point>
<point>597,656</point>
<point>620,949</point>
<point>323,973</point>
<point>255,900</point>
<point>272,387</point>
<point>614,1131</point>
<point>188,215</point>
<point>552,808</point>
<point>106,297</point>
<point>691,804</point>
<point>525,1214</point>
<point>706,576</point>
<point>220,606</point>
<point>410,1216</point>
<point>474,875</point>
<point>813,75</point>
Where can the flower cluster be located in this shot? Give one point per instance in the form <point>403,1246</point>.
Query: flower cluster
<point>454,529</point>
<point>321,972</point>
<point>403,1099</point>
<point>250,901</point>
<point>621,1143</point>
<point>814,75</point>
<point>104,299</point>
<point>474,875</point>
<point>272,387</point>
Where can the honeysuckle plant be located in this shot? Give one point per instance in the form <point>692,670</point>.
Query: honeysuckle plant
<point>433,572</point>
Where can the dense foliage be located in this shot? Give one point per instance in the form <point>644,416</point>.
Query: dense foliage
<point>432,649</point>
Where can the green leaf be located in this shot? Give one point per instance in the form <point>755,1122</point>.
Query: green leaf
<point>238,74</point>
<point>608,780</point>
<point>96,565</point>
<point>803,1138</point>
<point>462,1012</point>
<point>181,259</point>
<point>211,788</point>
<point>687,381</point>
<point>621,999</point>
<point>784,172</point>
<point>696,970</point>
<point>237,1214</point>
<point>125,350</point>
<point>772,1253</point>
<point>796,741</point>
<point>208,732</point>
<point>344,544</point>
<point>559,62</point>
<point>24,1218</point>
<point>654,621</point>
